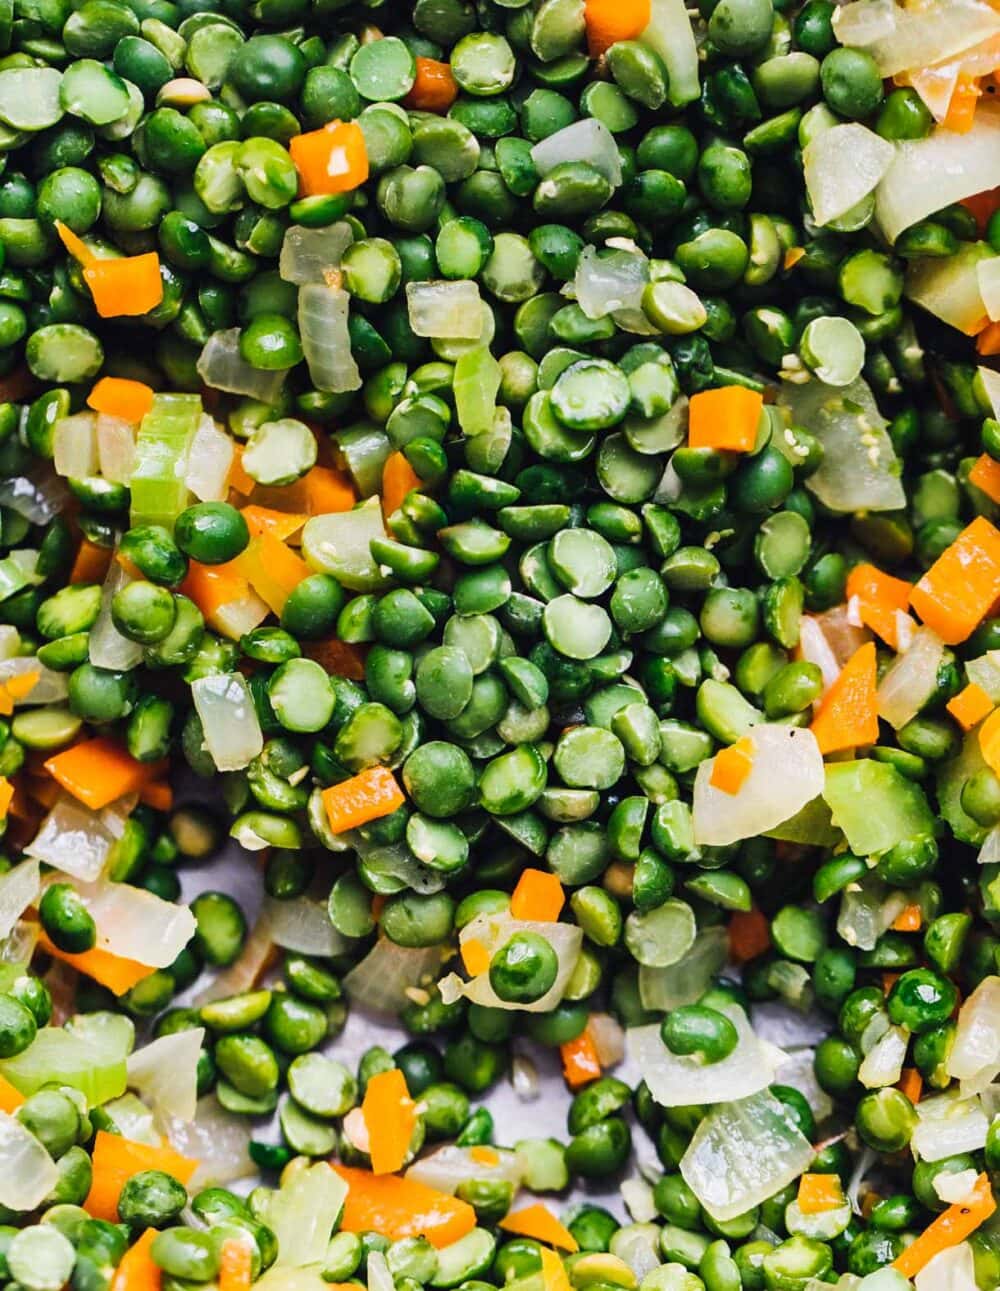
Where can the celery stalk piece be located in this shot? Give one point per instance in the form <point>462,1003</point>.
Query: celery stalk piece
<point>159,489</point>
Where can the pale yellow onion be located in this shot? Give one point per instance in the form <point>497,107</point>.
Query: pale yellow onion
<point>136,924</point>
<point>494,931</point>
<point>27,1172</point>
<point>308,255</point>
<point>936,84</point>
<point>991,385</point>
<point>237,618</point>
<point>74,445</point>
<point>132,1118</point>
<point>165,1072</point>
<point>229,719</point>
<point>209,462</point>
<point>988,273</point>
<point>447,1168</point>
<point>302,924</point>
<point>910,679</point>
<point>380,981</point>
<point>115,448</point>
<point>217,1140</point>
<point>607,1037</point>
<point>19,888</point>
<point>977,1035</point>
<point>948,288</point>
<point>951,1188</point>
<point>107,647</point>
<point>50,686</point>
<point>689,978</point>
<point>449,310</point>
<point>73,839</point>
<point>221,366</point>
<point>947,1125</point>
<point>588,140</point>
<point>815,648</point>
<point>609,282</point>
<point>867,910</point>
<point>841,166</point>
<point>951,1269</point>
<point>901,37</point>
<point>245,971</point>
<point>326,340</point>
<point>883,1063</point>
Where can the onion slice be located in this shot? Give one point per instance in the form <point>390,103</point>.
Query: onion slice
<point>27,1172</point>
<point>165,1072</point>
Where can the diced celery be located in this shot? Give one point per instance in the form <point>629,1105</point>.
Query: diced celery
<point>875,806</point>
<point>158,484</point>
<point>58,1057</point>
<point>476,382</point>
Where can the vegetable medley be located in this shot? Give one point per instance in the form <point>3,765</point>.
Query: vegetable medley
<point>537,463</point>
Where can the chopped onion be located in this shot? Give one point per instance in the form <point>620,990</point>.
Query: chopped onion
<point>50,687</point>
<point>954,1187</point>
<point>165,1072</point>
<point>246,971</point>
<point>308,255</point>
<point>19,888</point>
<point>19,947</point>
<point>107,647</point>
<point>676,1080</point>
<point>638,1244</point>
<point>988,273</point>
<point>74,445</point>
<point>900,38</point>
<point>524,1078</point>
<point>669,33</point>
<point>303,925</point>
<point>74,839</point>
<point>948,288</point>
<point>494,931</point>
<point>134,1120</point>
<point>662,989</point>
<point>867,910</point>
<point>58,1057</point>
<point>786,773</point>
<point>115,448</point>
<point>610,280</point>
<point>451,310</point>
<point>975,1055</point>
<point>883,1064</point>
<point>859,470</point>
<point>951,1269</point>
<point>450,1166</point>
<point>842,165</point>
<point>303,1211</point>
<point>27,1172</point>
<point>229,719</point>
<point>136,924</point>
<point>587,140</point>
<point>815,648</point>
<point>742,1153</point>
<point>221,366</point>
<point>209,462</point>
<point>638,1198</point>
<point>326,340</point>
<point>39,496</point>
<point>984,671</point>
<point>217,1140</point>
<point>380,980</point>
<point>947,1125</point>
<point>607,1037</point>
<point>378,1273</point>
<point>911,679</point>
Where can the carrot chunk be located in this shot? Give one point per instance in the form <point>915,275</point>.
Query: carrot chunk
<point>367,796</point>
<point>819,1192</point>
<point>434,88</point>
<point>390,1117</point>
<point>538,1221</point>
<point>580,1062</point>
<point>749,935</point>
<point>398,479</point>
<point>117,1159</point>
<point>731,766</point>
<point>848,715</point>
<point>117,397</point>
<point>330,160</point>
<point>398,1207</point>
<point>91,563</point>
<point>235,1265</point>
<point>881,599</point>
<point>726,418</point>
<point>126,286</point>
<point>952,1226</point>
<point>970,706</point>
<point>475,956</point>
<point>985,475</point>
<point>98,771</point>
<point>137,1270</point>
<point>609,21</point>
<point>539,896</point>
<point>115,972</point>
<point>956,593</point>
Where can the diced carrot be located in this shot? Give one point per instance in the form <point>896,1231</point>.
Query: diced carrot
<point>609,21</point>
<point>989,740</point>
<point>475,956</point>
<point>434,87</point>
<point>952,1226</point>
<point>909,919</point>
<point>238,478</point>
<point>116,1159</point>
<point>970,706</point>
<point>911,1083</point>
<point>390,1116</point>
<point>338,657</point>
<point>117,397</point>
<point>115,972</point>
<point>819,1192</point>
<point>216,589</point>
<point>749,935</point>
<point>988,340</point>
<point>327,490</point>
<point>137,1271</point>
<point>726,418</point>
<point>538,895</point>
<point>6,796</point>
<point>881,599</point>
<point>889,980</point>
<point>732,765</point>
<point>369,795</point>
<point>958,590</point>
<point>538,1221</point>
<point>554,1275</point>
<point>126,286</point>
<point>158,794</point>
<point>848,714</point>
<point>985,475</point>
<point>792,257</point>
<point>272,569</point>
<point>962,106</point>
<point>91,563</point>
<point>10,1098</point>
<point>483,1155</point>
<point>580,1062</point>
<point>398,1207</point>
<point>332,159</point>
<point>100,770</point>
<point>74,244</point>
<point>279,524</point>
<point>398,479</point>
<point>235,1265</point>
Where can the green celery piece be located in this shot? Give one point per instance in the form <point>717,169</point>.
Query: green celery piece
<point>476,383</point>
<point>875,806</point>
<point>58,1057</point>
<point>811,826</point>
<point>159,493</point>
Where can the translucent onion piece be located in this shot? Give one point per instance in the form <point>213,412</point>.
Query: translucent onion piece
<point>901,38</point>
<point>209,462</point>
<point>50,687</point>
<point>19,888</point>
<point>842,165</point>
<point>608,1038</point>
<point>588,140</point>
<point>136,924</point>
<point>237,618</point>
<point>495,930</point>
<point>20,945</point>
<point>165,1072</point>
<point>883,1064</point>
<point>612,281</point>
<point>308,255</point>
<point>134,1120</point>
<point>115,448</point>
<point>107,647</point>
<point>686,981</point>
<point>638,1198</point>
<point>217,1140</point>
<point>303,925</point>
<point>74,839</point>
<point>39,497</point>
<point>953,1269</point>
<point>638,1244</point>
<point>860,470</point>
<point>57,1056</point>
<point>380,980</point>
<point>911,679</point>
<point>948,1125</point>
<point>949,288</point>
<point>221,366</point>
<point>451,310</point>
<point>954,1187</point>
<point>741,1153</point>
<point>27,1172</point>
<point>669,34</point>
<point>815,648</point>
<point>450,1166</point>
<point>976,1050</point>
<point>326,341</point>
<point>229,719</point>
<point>985,672</point>
<point>246,971</point>
<point>379,1275</point>
<point>929,174</point>
<point>867,910</point>
<point>303,1211</point>
<point>675,1080</point>
<point>989,853</point>
<point>74,445</point>
<point>787,772</point>
<point>988,273</point>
